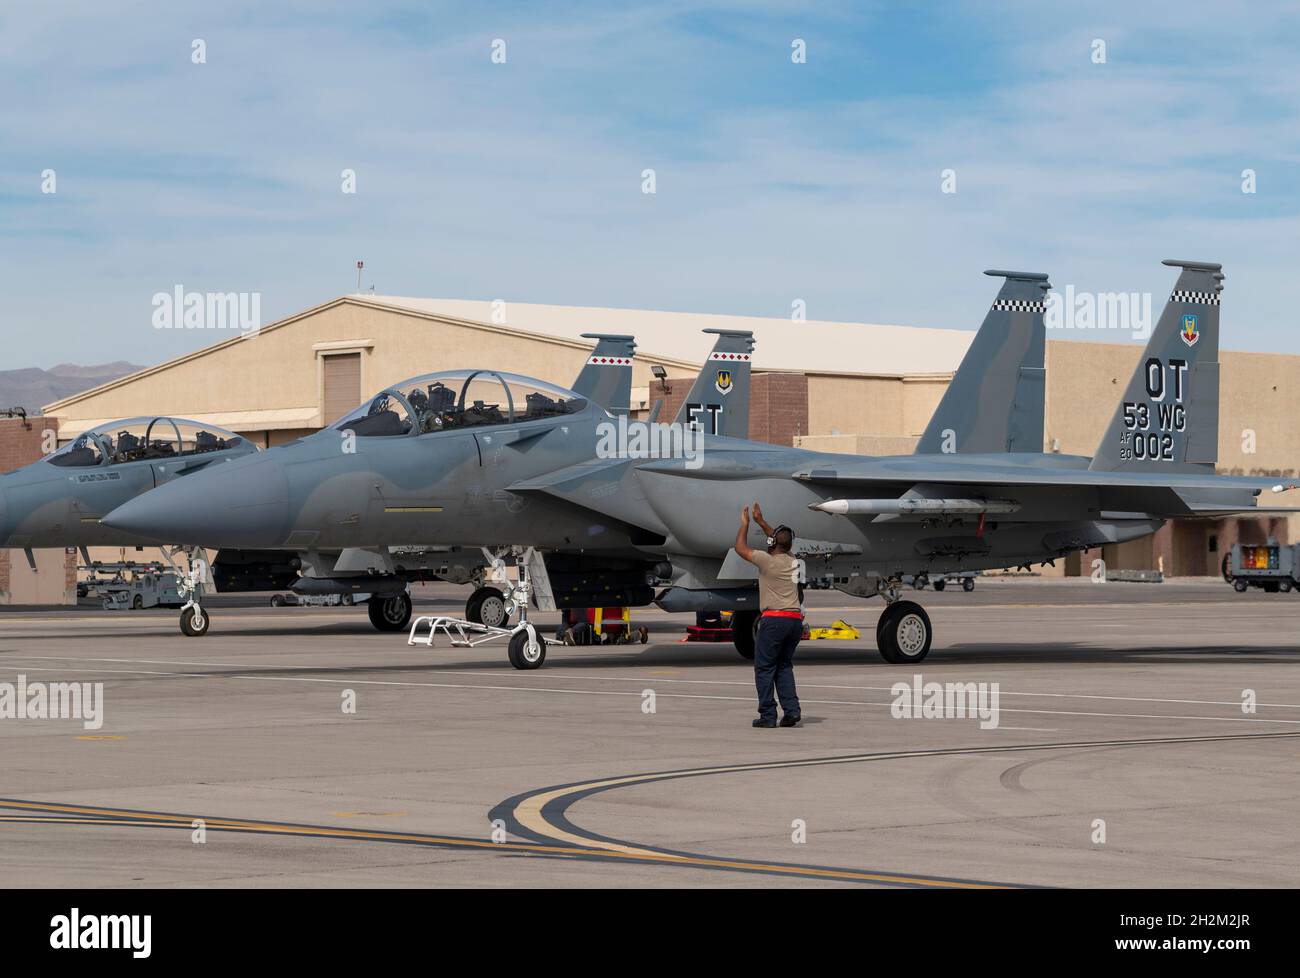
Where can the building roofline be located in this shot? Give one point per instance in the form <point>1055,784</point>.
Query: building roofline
<point>356,300</point>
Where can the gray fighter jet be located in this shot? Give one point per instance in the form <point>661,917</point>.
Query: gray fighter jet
<point>508,461</point>
<point>58,501</point>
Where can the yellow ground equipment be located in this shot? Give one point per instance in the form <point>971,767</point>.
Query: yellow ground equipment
<point>839,630</point>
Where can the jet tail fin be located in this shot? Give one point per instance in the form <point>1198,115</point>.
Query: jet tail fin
<point>995,401</point>
<point>606,378</point>
<point>1168,420</point>
<point>719,399</point>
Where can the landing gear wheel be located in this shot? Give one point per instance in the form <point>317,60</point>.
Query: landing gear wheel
<point>1240,586</point>
<point>522,654</point>
<point>487,606</point>
<point>904,633</point>
<point>390,614</point>
<point>195,622</point>
<point>940,584</point>
<point>744,630</point>
<point>968,584</point>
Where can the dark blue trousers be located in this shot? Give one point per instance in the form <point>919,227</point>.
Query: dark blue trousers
<point>774,665</point>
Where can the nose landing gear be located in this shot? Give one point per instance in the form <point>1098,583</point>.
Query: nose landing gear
<point>194,620</point>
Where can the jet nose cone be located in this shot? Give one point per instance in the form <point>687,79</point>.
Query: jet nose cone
<point>228,505</point>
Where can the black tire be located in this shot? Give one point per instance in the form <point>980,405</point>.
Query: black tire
<point>940,584</point>
<point>968,584</point>
<point>1225,567</point>
<point>1240,586</point>
<point>520,655</point>
<point>1284,586</point>
<point>188,618</point>
<point>487,606</point>
<point>137,603</point>
<point>919,582</point>
<point>277,601</point>
<point>744,630</point>
<point>904,633</point>
<point>391,613</point>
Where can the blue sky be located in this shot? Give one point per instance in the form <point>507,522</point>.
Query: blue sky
<point>522,181</point>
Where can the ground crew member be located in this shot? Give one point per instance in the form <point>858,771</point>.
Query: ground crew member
<point>781,624</point>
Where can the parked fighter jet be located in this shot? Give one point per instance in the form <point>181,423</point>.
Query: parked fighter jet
<point>718,403</point>
<point>507,461</point>
<point>58,501</point>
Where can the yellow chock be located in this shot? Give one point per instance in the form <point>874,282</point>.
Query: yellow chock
<point>839,630</point>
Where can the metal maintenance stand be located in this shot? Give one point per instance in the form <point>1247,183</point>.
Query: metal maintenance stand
<point>526,649</point>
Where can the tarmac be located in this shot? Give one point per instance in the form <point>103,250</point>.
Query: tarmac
<point>1146,735</point>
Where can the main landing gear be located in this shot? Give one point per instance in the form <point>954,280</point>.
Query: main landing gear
<point>488,606</point>
<point>744,632</point>
<point>903,632</point>
<point>390,612</point>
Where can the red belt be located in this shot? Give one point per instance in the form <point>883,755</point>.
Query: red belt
<point>783,614</point>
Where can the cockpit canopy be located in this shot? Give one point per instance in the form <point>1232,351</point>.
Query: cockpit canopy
<point>137,439</point>
<point>456,399</point>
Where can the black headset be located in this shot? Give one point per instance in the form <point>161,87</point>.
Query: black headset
<point>771,540</point>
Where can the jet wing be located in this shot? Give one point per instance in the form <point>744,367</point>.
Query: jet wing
<point>906,471</point>
<point>964,484</point>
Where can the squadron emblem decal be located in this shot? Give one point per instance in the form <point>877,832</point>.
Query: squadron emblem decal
<point>1190,333</point>
<point>723,382</point>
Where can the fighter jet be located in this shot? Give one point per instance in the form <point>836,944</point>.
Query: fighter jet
<point>58,501</point>
<point>506,460</point>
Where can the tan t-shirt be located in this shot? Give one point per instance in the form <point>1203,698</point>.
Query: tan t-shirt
<point>778,581</point>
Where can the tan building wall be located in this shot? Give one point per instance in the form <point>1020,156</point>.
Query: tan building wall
<point>55,579</point>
